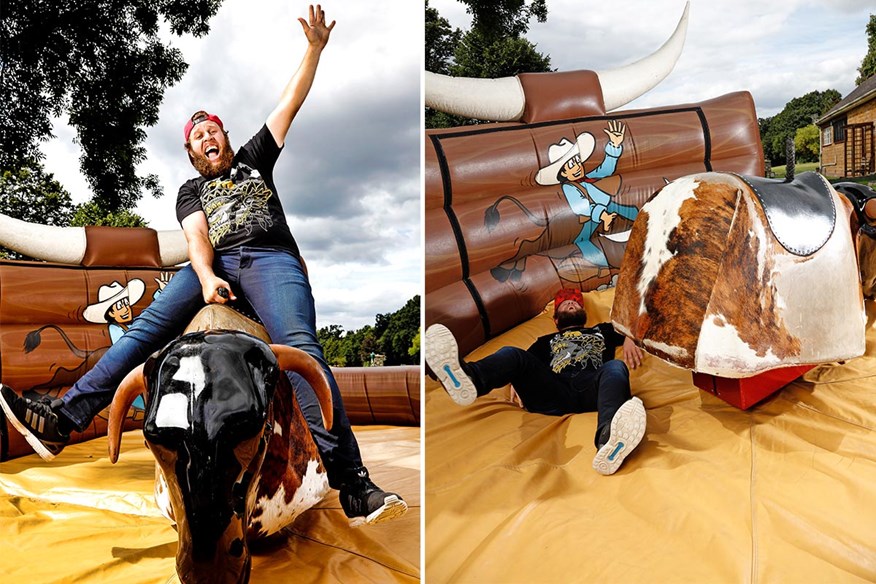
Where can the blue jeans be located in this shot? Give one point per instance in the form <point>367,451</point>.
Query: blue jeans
<point>273,285</point>
<point>162,321</point>
<point>542,391</point>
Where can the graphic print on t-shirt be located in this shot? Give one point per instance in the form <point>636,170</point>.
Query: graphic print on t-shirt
<point>576,348</point>
<point>236,204</point>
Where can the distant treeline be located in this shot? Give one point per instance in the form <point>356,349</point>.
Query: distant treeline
<point>393,340</point>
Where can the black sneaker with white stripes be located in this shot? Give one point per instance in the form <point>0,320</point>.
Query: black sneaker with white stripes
<point>366,503</point>
<point>36,420</point>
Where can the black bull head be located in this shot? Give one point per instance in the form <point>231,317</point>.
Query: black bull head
<point>208,423</point>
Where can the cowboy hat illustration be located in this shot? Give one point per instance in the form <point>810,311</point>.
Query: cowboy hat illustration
<point>107,295</point>
<point>560,153</point>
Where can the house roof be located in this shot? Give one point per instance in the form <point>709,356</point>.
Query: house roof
<point>861,94</point>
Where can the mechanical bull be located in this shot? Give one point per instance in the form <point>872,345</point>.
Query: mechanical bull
<point>235,459</point>
<point>734,276</point>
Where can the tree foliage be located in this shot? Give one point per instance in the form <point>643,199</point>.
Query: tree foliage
<point>441,40</point>
<point>868,63</point>
<point>807,142</point>
<point>91,214</point>
<point>480,55</point>
<point>30,194</point>
<point>497,19</point>
<point>797,113</point>
<point>493,47</point>
<point>395,335</point>
<point>102,64</point>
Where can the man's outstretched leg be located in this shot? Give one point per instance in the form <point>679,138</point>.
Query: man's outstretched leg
<point>279,292</point>
<point>539,389</point>
<point>442,356</point>
<point>37,421</point>
<point>621,418</point>
<point>46,424</point>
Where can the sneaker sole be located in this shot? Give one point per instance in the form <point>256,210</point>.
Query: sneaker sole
<point>627,430</point>
<point>392,508</point>
<point>442,356</point>
<point>34,442</point>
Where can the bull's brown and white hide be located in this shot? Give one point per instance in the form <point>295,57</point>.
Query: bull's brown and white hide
<point>706,285</point>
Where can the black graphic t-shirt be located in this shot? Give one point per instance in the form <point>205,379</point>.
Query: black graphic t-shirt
<point>578,349</point>
<point>242,206</point>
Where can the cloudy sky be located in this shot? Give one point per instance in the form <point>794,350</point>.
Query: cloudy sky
<point>775,50</point>
<point>349,176</point>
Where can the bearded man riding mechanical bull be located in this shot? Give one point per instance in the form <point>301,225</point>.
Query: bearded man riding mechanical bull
<point>235,247</point>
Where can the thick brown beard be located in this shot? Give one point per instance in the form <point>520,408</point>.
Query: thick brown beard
<point>209,169</point>
<point>567,320</point>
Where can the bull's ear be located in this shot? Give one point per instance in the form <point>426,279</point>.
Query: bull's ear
<point>291,359</point>
<point>132,385</point>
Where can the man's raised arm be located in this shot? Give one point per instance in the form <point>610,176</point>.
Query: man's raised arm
<point>296,90</point>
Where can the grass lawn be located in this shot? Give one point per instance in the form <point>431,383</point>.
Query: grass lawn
<point>779,171</point>
<point>870,180</point>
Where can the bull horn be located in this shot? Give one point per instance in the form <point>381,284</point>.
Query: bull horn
<point>870,210</point>
<point>503,100</point>
<point>498,100</point>
<point>132,385</point>
<point>291,359</point>
<point>66,245</point>
<point>622,85</point>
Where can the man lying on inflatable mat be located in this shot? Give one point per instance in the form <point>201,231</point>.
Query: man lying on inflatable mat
<point>567,372</point>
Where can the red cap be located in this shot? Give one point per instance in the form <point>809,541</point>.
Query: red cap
<point>197,119</point>
<point>568,294</point>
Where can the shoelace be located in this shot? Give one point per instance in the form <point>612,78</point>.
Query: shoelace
<point>43,407</point>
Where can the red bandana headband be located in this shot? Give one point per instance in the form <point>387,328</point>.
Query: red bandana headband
<point>568,294</point>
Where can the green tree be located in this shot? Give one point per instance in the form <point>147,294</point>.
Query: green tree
<point>498,19</point>
<point>441,41</point>
<point>395,334</point>
<point>398,335</point>
<point>868,63</point>
<point>414,351</point>
<point>807,142</point>
<point>493,47</point>
<point>91,214</point>
<point>797,113</point>
<point>102,63</point>
<point>480,55</point>
<point>332,340</point>
<point>30,194</point>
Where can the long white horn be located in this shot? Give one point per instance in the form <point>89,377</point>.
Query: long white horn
<point>66,245</point>
<point>502,100</point>
<point>622,85</point>
<point>497,100</point>
<point>172,247</point>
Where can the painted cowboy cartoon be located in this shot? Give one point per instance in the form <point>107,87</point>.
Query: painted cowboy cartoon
<point>595,207</point>
<point>114,303</point>
<point>590,195</point>
<point>113,308</point>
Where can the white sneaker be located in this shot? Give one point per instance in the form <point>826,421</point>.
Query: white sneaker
<point>627,430</point>
<point>442,356</point>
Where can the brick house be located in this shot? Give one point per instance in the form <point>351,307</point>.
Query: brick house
<point>847,133</point>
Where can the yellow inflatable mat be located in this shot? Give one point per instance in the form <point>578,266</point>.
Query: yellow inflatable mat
<point>783,492</point>
<point>81,519</point>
